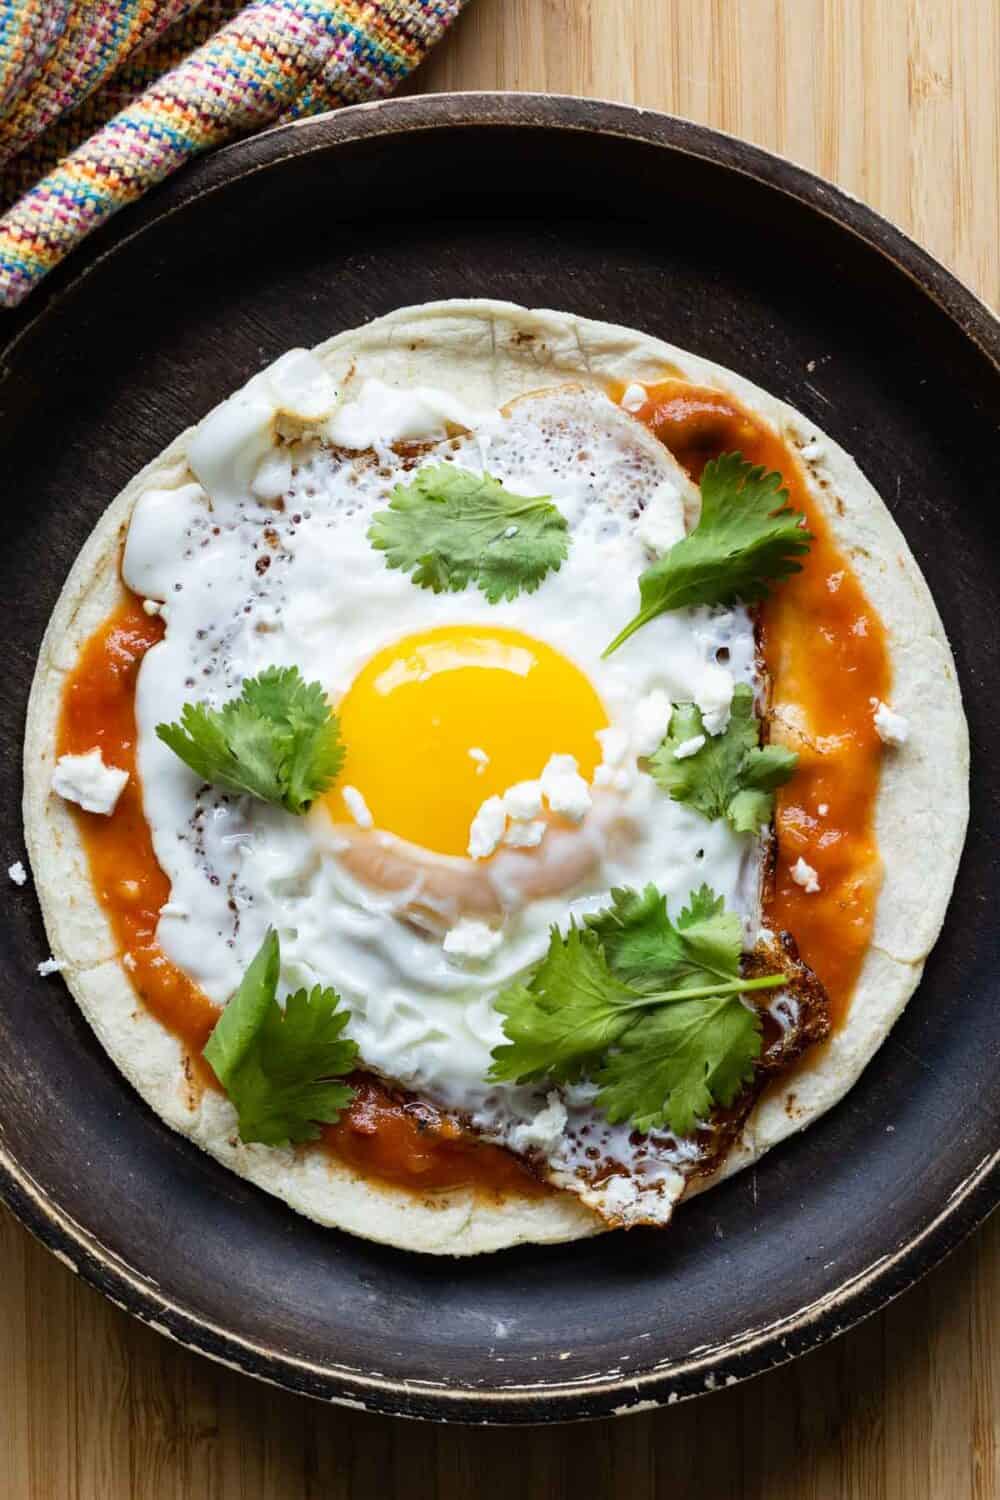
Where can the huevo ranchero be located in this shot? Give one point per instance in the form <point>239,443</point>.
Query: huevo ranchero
<point>477,780</point>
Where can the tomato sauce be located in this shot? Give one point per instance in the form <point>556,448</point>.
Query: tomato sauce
<point>381,1133</point>
<point>410,1143</point>
<point>825,653</point>
<point>98,708</point>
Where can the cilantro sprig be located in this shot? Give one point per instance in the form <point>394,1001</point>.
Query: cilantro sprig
<point>279,740</point>
<point>450,527</point>
<point>732,776</point>
<point>279,1067</point>
<point>648,1007</point>
<point>747,538</point>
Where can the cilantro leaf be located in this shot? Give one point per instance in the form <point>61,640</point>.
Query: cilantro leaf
<point>235,749</point>
<point>649,952</point>
<point>565,1016</point>
<point>279,741</point>
<point>637,935</point>
<point>279,695</point>
<point>747,538</point>
<point>450,527</point>
<point>675,1064</point>
<point>278,1066</point>
<point>731,776</point>
<point>243,1017</point>
<point>649,1007</point>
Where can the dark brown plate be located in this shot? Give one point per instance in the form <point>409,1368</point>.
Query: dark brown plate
<point>642,220</point>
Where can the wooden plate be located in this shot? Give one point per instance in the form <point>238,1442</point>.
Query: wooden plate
<point>616,214</point>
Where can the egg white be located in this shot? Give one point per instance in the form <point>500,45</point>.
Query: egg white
<point>247,585</point>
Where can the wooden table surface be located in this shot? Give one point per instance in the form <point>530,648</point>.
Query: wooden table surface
<point>896,100</point>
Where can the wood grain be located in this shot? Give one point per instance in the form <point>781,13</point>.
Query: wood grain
<point>896,100</point>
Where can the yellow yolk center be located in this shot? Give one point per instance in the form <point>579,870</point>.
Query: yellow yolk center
<point>416,710</point>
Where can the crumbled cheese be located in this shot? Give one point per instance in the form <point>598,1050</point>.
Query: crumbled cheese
<point>151,606</point>
<point>614,745</point>
<point>544,1132</point>
<point>823,809</point>
<point>689,747</point>
<point>525,834</point>
<point>513,818</point>
<point>49,966</point>
<point>273,476</point>
<point>565,790</point>
<point>471,940</point>
<point>87,781</point>
<point>616,767</point>
<point>634,397</point>
<point>487,828</point>
<point>652,719</point>
<point>524,800</point>
<point>618,777</point>
<point>805,876</point>
<point>891,728</point>
<point>358,807</point>
<point>715,697</point>
<point>17,873</point>
<point>481,758</point>
<point>661,522</point>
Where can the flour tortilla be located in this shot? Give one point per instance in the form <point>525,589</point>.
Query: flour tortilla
<point>489,352</point>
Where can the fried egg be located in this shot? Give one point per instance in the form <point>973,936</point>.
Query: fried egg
<point>493,782</point>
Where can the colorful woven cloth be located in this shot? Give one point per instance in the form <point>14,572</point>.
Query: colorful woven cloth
<point>68,67</point>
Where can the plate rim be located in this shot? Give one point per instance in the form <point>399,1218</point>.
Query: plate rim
<point>747,1353</point>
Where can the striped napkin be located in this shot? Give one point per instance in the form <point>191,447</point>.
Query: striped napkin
<point>99,99</point>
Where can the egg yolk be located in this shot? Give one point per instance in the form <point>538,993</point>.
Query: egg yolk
<point>417,709</point>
